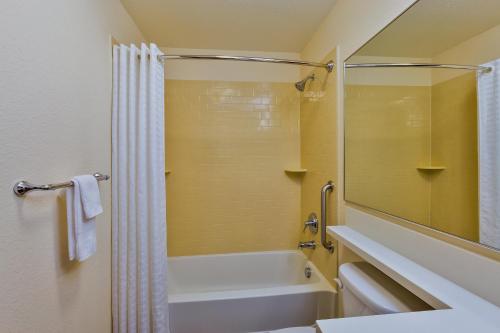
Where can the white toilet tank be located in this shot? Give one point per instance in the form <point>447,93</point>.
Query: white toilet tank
<point>367,291</point>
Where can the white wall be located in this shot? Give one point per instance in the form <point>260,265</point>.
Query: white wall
<point>477,50</point>
<point>351,24</point>
<point>55,102</point>
<point>230,70</point>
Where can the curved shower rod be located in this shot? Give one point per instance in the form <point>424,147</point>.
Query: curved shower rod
<point>328,66</point>
<point>482,69</point>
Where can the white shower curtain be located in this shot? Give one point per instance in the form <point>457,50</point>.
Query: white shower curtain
<point>139,293</point>
<point>489,155</point>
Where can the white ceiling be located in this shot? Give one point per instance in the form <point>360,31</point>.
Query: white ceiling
<point>433,26</point>
<point>263,25</point>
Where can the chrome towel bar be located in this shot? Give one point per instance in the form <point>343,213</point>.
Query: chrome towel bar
<point>23,187</point>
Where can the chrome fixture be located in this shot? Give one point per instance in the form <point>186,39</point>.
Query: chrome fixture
<point>307,245</point>
<point>482,69</point>
<point>301,85</point>
<point>23,187</point>
<point>308,272</point>
<point>328,187</point>
<point>311,223</point>
<point>328,66</point>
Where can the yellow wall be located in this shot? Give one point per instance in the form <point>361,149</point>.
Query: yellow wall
<point>454,138</point>
<point>348,26</point>
<point>318,139</point>
<point>227,144</point>
<point>55,123</point>
<point>387,137</point>
<point>454,91</point>
<point>390,130</point>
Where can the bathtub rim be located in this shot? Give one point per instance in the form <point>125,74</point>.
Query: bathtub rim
<point>316,287</point>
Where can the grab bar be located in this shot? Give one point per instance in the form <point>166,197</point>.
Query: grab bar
<point>328,187</point>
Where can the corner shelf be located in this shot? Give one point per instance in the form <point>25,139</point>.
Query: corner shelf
<point>296,171</point>
<point>431,168</point>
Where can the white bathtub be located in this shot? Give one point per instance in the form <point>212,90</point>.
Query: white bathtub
<point>246,292</point>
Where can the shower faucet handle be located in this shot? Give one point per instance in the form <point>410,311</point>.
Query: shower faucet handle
<point>307,245</point>
<point>312,223</point>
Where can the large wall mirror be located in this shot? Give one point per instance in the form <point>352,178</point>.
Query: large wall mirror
<point>423,142</point>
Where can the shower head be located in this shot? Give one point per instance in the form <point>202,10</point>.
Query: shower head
<point>301,85</point>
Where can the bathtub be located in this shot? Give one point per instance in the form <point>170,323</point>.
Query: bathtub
<point>246,292</point>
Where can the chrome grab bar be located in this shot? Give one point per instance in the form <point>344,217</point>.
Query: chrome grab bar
<point>328,187</point>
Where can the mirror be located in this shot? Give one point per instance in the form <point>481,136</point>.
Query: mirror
<point>421,143</point>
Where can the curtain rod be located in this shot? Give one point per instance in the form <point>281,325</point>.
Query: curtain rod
<point>328,66</point>
<point>483,69</point>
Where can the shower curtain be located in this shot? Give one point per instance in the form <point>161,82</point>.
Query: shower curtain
<point>489,155</point>
<point>139,293</point>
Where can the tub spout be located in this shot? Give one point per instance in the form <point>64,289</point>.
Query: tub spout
<point>307,245</point>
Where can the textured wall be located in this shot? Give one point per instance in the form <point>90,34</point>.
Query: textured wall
<point>55,122</point>
<point>227,144</point>
<point>318,139</point>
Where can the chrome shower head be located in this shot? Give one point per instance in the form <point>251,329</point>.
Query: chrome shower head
<point>301,85</point>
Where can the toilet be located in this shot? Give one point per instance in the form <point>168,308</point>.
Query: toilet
<point>365,291</point>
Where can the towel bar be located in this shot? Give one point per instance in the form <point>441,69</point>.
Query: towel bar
<point>23,187</point>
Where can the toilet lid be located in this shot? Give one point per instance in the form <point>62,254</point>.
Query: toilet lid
<point>378,291</point>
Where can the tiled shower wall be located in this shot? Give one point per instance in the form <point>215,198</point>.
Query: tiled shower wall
<point>318,126</point>
<point>391,130</point>
<point>387,138</point>
<point>454,137</point>
<point>227,145</point>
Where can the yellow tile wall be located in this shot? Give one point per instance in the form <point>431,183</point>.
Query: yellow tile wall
<point>387,137</point>
<point>227,145</point>
<point>318,134</point>
<point>454,137</point>
<point>390,130</point>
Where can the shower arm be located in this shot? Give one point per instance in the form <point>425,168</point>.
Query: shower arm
<point>328,187</point>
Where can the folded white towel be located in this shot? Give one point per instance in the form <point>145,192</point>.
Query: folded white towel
<point>83,204</point>
<point>90,196</point>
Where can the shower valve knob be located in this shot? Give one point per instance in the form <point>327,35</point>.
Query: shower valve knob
<point>312,223</point>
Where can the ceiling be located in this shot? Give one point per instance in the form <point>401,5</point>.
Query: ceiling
<point>433,26</point>
<point>262,25</point>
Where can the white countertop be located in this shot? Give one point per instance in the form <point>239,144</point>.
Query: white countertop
<point>458,309</point>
